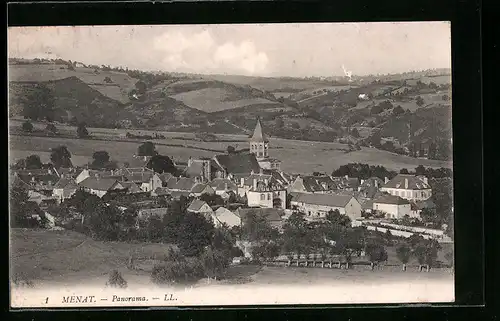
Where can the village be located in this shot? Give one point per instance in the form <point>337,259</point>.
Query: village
<point>226,188</point>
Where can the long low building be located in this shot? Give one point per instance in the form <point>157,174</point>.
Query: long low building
<point>318,205</point>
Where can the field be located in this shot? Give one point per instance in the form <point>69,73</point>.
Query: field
<point>118,89</point>
<point>213,100</point>
<point>64,259</point>
<point>296,156</point>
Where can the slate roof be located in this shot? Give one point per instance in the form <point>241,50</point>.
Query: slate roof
<point>161,191</point>
<point>182,183</point>
<point>391,199</point>
<point>319,183</point>
<point>131,186</point>
<point>270,214</point>
<point>332,200</point>
<point>66,183</point>
<point>280,177</point>
<point>164,177</point>
<point>258,133</point>
<point>198,188</point>
<point>139,177</point>
<point>371,182</point>
<point>196,205</point>
<point>98,184</point>
<point>243,163</point>
<point>414,182</point>
<point>367,205</point>
<point>39,181</point>
<point>219,184</point>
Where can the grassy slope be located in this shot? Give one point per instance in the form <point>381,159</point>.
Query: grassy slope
<point>54,254</point>
<point>118,89</point>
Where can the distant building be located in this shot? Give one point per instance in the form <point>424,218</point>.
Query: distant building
<point>235,166</point>
<point>201,207</point>
<point>100,186</point>
<point>224,216</point>
<point>318,205</point>
<point>370,187</point>
<point>410,187</point>
<point>223,185</point>
<point>205,169</point>
<point>393,207</point>
<point>314,184</point>
<point>259,146</point>
<point>263,191</point>
<point>64,189</point>
<point>273,216</point>
<point>200,188</point>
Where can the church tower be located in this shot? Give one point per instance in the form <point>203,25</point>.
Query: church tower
<point>259,144</point>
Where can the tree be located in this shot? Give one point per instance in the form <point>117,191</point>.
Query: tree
<point>116,280</point>
<point>141,87</point>
<point>376,254</point>
<point>420,101</point>
<point>33,162</point>
<point>348,244</point>
<point>51,128</point>
<point>39,103</point>
<point>388,237</point>
<point>147,149</point>
<point>82,131</point>
<point>355,133</point>
<point>398,110</point>
<point>334,217</point>
<point>103,221</point>
<point>279,122</point>
<point>161,164</point>
<point>22,211</point>
<point>403,253</point>
<point>256,228</point>
<point>61,157</point>
<point>426,252</point>
<point>27,127</point>
<point>404,171</point>
<point>214,262</point>
<point>107,80</point>
<point>231,149</point>
<point>100,159</point>
<point>195,233</point>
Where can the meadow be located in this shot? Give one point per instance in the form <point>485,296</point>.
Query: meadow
<point>296,156</point>
<point>70,263</point>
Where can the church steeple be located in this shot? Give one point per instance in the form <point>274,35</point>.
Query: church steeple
<point>259,144</point>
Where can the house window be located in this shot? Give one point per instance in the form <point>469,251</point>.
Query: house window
<point>262,197</point>
<point>268,197</point>
<point>309,213</point>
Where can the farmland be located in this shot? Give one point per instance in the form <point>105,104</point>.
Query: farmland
<point>297,156</point>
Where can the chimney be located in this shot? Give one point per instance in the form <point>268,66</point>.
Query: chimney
<point>261,171</point>
<point>32,178</point>
<point>376,183</point>
<point>362,181</point>
<point>251,173</point>
<point>190,161</point>
<point>386,180</point>
<point>346,177</point>
<point>254,184</point>
<point>225,186</point>
<point>266,181</point>
<point>50,171</point>
<point>406,183</point>
<point>242,182</point>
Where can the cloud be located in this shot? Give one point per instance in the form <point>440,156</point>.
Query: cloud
<point>199,52</point>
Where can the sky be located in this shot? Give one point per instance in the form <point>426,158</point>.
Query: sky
<point>295,50</point>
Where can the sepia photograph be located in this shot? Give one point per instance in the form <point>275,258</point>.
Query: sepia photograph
<point>230,164</point>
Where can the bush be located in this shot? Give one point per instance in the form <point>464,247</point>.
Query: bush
<point>181,271</point>
<point>116,280</point>
<point>27,127</point>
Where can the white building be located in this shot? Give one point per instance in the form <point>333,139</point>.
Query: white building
<point>393,207</point>
<point>264,192</point>
<point>410,187</point>
<point>318,205</point>
<point>100,186</point>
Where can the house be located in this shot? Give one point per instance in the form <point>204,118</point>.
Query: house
<point>410,187</point>
<point>86,173</point>
<point>224,216</point>
<point>146,180</point>
<point>223,186</point>
<point>273,216</point>
<point>236,165</point>
<point>259,146</point>
<point>266,195</point>
<point>66,172</point>
<point>200,207</point>
<point>64,189</point>
<point>199,189</point>
<point>313,184</point>
<point>347,183</point>
<point>132,188</point>
<point>164,177</point>
<point>370,187</point>
<point>37,182</point>
<point>318,205</point>
<point>205,169</point>
<point>367,206</point>
<point>393,206</point>
<point>100,186</point>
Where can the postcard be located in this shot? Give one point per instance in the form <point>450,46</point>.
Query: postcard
<point>234,164</point>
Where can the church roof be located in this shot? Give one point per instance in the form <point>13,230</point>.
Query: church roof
<point>258,134</point>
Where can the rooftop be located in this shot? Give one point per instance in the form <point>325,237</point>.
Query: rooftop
<point>404,181</point>
<point>332,200</point>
